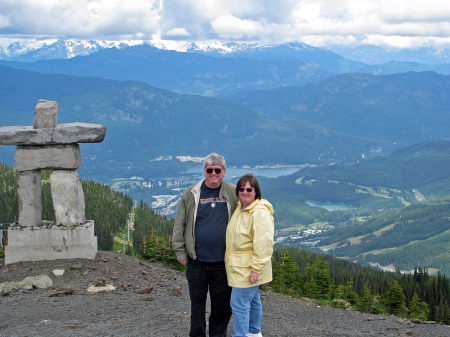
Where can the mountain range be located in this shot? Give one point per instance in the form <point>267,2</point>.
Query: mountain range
<point>188,73</point>
<point>402,108</point>
<point>333,58</point>
<point>369,54</point>
<point>373,55</point>
<point>65,49</point>
<point>145,123</point>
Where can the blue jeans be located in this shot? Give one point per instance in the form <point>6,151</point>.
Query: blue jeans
<point>203,277</point>
<point>247,311</point>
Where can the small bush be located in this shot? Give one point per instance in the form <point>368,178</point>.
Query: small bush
<point>340,304</point>
<point>157,249</point>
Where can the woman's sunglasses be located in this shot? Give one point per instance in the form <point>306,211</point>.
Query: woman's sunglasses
<point>249,190</point>
<point>217,170</point>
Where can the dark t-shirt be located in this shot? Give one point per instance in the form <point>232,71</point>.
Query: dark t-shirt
<point>211,225</point>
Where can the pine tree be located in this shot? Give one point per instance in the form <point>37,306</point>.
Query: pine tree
<point>418,309</point>
<point>321,273</point>
<point>368,302</point>
<point>443,313</point>
<point>310,288</point>
<point>286,275</point>
<point>395,300</point>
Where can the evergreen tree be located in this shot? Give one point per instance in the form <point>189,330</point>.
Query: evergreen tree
<point>321,274</point>
<point>286,275</point>
<point>310,288</point>
<point>368,302</point>
<point>418,309</point>
<point>443,313</point>
<point>395,300</point>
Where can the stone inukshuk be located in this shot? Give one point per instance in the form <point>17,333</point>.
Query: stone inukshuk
<point>49,146</point>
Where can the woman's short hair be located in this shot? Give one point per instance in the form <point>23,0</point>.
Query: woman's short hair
<point>249,178</point>
<point>214,159</point>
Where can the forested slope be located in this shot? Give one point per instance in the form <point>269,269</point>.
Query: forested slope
<point>108,208</point>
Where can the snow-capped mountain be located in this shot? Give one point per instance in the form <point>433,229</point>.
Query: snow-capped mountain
<point>58,49</point>
<point>367,54</point>
<point>376,55</point>
<point>62,49</point>
<point>65,49</point>
<point>234,49</point>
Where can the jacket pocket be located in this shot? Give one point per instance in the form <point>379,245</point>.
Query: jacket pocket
<point>241,260</point>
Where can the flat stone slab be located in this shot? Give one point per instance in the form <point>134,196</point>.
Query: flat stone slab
<point>61,134</point>
<point>47,157</point>
<point>30,282</point>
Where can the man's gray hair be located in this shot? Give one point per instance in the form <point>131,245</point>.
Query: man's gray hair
<point>214,159</point>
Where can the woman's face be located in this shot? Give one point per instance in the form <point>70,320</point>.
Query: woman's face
<point>247,194</point>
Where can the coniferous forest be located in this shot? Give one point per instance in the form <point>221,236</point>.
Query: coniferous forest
<point>342,284</point>
<point>297,272</point>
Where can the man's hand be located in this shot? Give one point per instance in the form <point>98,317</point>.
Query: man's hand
<point>254,277</point>
<point>183,262</point>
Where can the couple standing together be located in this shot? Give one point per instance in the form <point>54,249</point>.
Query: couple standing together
<point>224,236</point>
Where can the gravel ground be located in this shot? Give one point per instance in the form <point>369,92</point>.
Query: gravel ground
<point>150,300</point>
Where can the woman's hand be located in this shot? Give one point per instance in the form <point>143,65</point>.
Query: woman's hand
<point>254,277</point>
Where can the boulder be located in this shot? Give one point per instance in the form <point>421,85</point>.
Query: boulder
<point>45,114</point>
<point>68,197</point>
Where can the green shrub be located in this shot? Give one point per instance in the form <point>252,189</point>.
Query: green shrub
<point>340,304</point>
<point>158,249</point>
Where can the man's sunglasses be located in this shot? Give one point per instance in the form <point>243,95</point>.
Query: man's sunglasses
<point>249,190</point>
<point>217,170</point>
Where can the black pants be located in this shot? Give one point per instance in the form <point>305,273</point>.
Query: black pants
<point>204,276</point>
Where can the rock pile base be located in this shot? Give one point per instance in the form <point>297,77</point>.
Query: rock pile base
<point>51,242</point>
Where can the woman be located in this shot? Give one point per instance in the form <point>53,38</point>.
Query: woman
<point>248,256</point>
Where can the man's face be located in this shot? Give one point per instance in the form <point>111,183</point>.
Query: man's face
<point>214,175</point>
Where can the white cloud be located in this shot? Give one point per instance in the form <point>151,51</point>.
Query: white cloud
<point>230,27</point>
<point>79,18</point>
<point>317,22</point>
<point>177,32</point>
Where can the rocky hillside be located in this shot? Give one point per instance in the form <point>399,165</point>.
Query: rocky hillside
<point>118,295</point>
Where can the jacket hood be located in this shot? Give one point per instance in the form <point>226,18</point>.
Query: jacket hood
<point>258,204</point>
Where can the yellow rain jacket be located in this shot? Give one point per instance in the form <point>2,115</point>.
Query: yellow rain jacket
<point>250,244</point>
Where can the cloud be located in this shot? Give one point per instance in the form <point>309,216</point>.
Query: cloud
<point>75,18</point>
<point>177,32</point>
<point>317,22</point>
<point>230,27</point>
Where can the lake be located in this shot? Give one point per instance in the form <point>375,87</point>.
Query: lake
<point>234,173</point>
<point>329,206</point>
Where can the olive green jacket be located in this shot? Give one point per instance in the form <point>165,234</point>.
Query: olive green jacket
<point>184,226</point>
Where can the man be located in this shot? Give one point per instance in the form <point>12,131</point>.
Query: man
<point>199,243</point>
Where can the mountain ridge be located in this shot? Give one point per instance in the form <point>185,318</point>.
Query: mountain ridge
<point>188,73</point>
<point>145,122</point>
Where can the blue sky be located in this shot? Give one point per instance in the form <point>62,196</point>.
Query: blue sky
<point>387,23</point>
